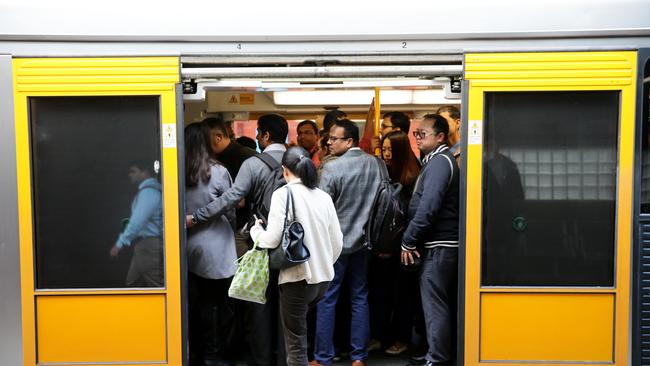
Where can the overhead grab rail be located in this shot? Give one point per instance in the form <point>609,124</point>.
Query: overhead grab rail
<point>323,71</point>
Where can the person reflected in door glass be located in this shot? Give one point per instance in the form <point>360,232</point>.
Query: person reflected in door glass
<point>144,229</point>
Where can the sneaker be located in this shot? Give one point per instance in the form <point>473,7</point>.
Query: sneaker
<point>396,349</point>
<point>417,360</point>
<point>373,345</point>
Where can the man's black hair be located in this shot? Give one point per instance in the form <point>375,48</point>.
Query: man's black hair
<point>247,141</point>
<point>218,124</point>
<point>350,130</point>
<point>440,124</point>
<point>453,111</point>
<point>310,123</point>
<point>275,125</point>
<point>331,117</point>
<point>144,164</point>
<point>400,120</point>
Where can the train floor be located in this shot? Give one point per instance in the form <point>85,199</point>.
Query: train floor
<point>378,359</point>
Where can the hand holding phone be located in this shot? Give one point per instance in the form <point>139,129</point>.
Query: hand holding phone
<point>258,221</point>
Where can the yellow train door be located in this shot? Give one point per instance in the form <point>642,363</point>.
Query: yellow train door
<point>98,192</point>
<point>549,160</point>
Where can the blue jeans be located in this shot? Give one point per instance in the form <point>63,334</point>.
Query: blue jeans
<point>353,268</point>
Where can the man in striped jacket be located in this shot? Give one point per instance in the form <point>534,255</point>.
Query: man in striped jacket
<point>432,237</point>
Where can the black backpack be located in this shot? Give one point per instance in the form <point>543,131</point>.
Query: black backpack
<point>274,180</point>
<point>387,220</point>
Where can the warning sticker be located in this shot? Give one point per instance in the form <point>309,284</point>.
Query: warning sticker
<point>169,135</point>
<point>233,100</point>
<point>246,99</point>
<point>475,133</point>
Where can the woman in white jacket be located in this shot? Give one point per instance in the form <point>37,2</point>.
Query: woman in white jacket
<point>302,285</point>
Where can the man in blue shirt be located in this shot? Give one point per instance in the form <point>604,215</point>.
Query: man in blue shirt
<point>144,230</point>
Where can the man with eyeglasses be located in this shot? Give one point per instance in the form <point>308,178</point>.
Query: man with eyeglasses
<point>352,180</point>
<point>391,121</point>
<point>431,237</point>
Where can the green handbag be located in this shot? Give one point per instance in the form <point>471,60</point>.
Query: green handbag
<point>252,277</point>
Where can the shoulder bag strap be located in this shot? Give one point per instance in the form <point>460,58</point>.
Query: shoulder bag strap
<point>383,170</point>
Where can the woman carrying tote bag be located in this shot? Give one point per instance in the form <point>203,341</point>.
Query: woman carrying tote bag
<point>302,285</point>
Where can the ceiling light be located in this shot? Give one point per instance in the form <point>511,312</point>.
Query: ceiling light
<point>358,97</point>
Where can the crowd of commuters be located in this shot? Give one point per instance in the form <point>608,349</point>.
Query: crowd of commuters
<point>403,302</point>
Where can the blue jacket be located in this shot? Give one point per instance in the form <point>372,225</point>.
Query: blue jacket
<point>434,207</point>
<point>146,214</point>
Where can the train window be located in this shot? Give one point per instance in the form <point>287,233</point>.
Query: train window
<point>645,160</point>
<point>95,162</point>
<point>549,188</point>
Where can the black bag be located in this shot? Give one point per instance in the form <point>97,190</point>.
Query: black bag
<point>387,220</point>
<point>292,250</point>
<point>261,202</point>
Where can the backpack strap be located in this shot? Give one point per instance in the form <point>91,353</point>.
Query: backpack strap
<point>268,160</point>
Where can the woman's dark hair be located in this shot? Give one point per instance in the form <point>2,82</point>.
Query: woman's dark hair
<point>197,158</point>
<point>297,160</point>
<point>404,167</point>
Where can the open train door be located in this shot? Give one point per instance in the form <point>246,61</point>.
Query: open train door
<point>549,156</point>
<point>97,159</point>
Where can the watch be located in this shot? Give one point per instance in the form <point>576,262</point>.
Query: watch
<point>194,220</point>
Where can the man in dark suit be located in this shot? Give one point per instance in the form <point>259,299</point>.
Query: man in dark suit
<point>352,180</point>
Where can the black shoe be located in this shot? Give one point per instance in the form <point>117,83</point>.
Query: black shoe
<point>417,360</point>
<point>445,363</point>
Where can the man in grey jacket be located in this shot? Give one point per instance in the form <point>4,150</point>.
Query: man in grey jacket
<point>352,180</point>
<point>272,131</point>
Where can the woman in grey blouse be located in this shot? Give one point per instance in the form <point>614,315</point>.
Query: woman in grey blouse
<point>210,249</point>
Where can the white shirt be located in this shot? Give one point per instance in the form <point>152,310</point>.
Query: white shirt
<point>315,211</point>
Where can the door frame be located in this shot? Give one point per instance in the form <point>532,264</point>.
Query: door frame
<point>494,72</point>
<point>128,76</point>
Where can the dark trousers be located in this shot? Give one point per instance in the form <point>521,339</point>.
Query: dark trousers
<point>262,327</point>
<point>211,318</point>
<point>295,300</point>
<point>147,267</point>
<point>394,300</point>
<point>439,291</point>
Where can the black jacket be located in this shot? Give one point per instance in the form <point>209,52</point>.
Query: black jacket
<point>434,207</point>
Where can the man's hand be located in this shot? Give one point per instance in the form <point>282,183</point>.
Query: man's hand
<point>114,251</point>
<point>188,221</point>
<point>408,256</point>
<point>374,143</point>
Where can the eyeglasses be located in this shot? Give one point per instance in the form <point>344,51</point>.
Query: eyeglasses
<point>420,134</point>
<point>334,138</point>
